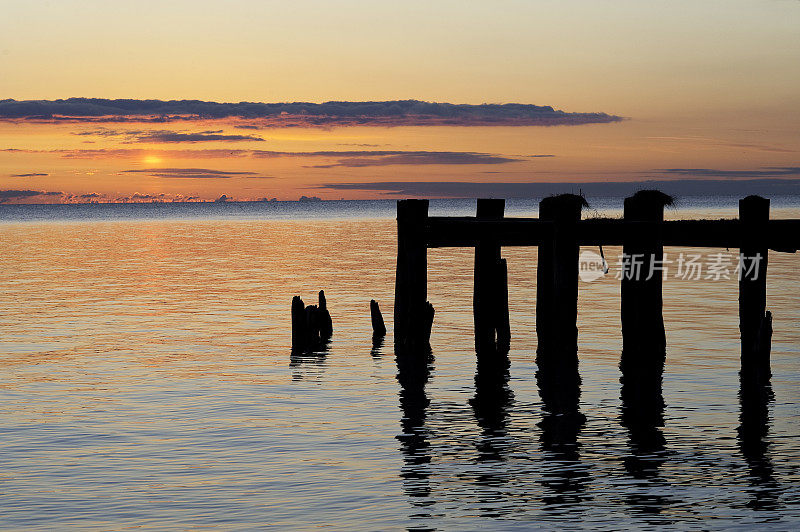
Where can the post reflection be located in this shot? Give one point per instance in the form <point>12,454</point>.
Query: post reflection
<point>755,397</point>
<point>377,346</point>
<point>559,388</point>
<point>308,364</point>
<point>491,403</point>
<point>413,372</point>
<point>642,415</point>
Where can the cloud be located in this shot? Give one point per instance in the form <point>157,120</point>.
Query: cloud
<point>712,142</point>
<point>678,187</point>
<point>297,114</point>
<point>167,136</point>
<point>193,173</point>
<point>6,195</point>
<point>348,159</point>
<point>764,171</point>
<point>34,174</point>
<point>138,153</point>
<point>367,158</point>
<point>204,136</point>
<point>758,147</point>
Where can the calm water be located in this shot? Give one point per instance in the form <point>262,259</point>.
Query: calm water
<point>147,382</point>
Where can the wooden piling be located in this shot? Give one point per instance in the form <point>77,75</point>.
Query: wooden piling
<point>299,325</point>
<point>755,323</point>
<point>487,300</point>
<point>644,344</point>
<point>557,282</point>
<point>641,298</point>
<point>311,325</point>
<point>324,318</point>
<point>503,325</point>
<point>413,315</point>
<point>378,327</point>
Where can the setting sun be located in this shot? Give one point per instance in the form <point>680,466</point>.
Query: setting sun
<point>151,159</point>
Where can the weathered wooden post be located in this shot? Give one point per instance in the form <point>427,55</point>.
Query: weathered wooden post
<point>413,315</point>
<point>643,336</point>
<point>755,323</point>
<point>311,325</point>
<point>644,344</point>
<point>300,332</point>
<point>556,323</point>
<point>503,325</point>
<point>490,294</point>
<point>557,283</point>
<point>378,327</point>
<point>324,318</point>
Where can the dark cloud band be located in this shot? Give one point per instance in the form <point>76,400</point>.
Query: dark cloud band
<point>298,114</point>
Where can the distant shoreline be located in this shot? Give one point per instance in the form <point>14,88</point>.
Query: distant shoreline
<point>332,210</point>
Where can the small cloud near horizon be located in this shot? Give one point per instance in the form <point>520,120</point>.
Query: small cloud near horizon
<point>193,173</point>
<point>33,174</point>
<point>764,171</point>
<point>6,195</point>
<point>162,136</point>
<point>416,158</point>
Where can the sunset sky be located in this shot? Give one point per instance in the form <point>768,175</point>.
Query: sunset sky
<point>648,90</point>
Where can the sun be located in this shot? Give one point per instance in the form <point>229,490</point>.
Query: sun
<point>151,159</point>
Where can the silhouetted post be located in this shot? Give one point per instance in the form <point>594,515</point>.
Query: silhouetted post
<point>324,318</point>
<point>299,325</point>
<point>643,335</point>
<point>487,291</point>
<point>557,283</point>
<point>755,323</point>
<point>503,326</point>
<point>413,315</point>
<point>378,327</point>
<point>311,325</point>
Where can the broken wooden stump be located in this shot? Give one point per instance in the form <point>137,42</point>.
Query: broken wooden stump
<point>312,326</point>
<point>324,317</point>
<point>378,327</point>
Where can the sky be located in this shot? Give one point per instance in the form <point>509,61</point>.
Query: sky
<point>649,90</point>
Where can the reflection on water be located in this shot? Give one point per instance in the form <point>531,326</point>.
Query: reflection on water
<point>753,432</point>
<point>148,381</point>
<point>377,346</point>
<point>413,371</point>
<point>491,403</point>
<point>307,365</point>
<point>642,415</point>
<point>559,387</point>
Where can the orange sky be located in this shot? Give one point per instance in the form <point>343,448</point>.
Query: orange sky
<point>714,87</point>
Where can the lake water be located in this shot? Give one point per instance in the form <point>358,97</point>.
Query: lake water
<point>148,383</point>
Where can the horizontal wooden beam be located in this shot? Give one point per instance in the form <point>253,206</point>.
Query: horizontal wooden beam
<point>441,231</point>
